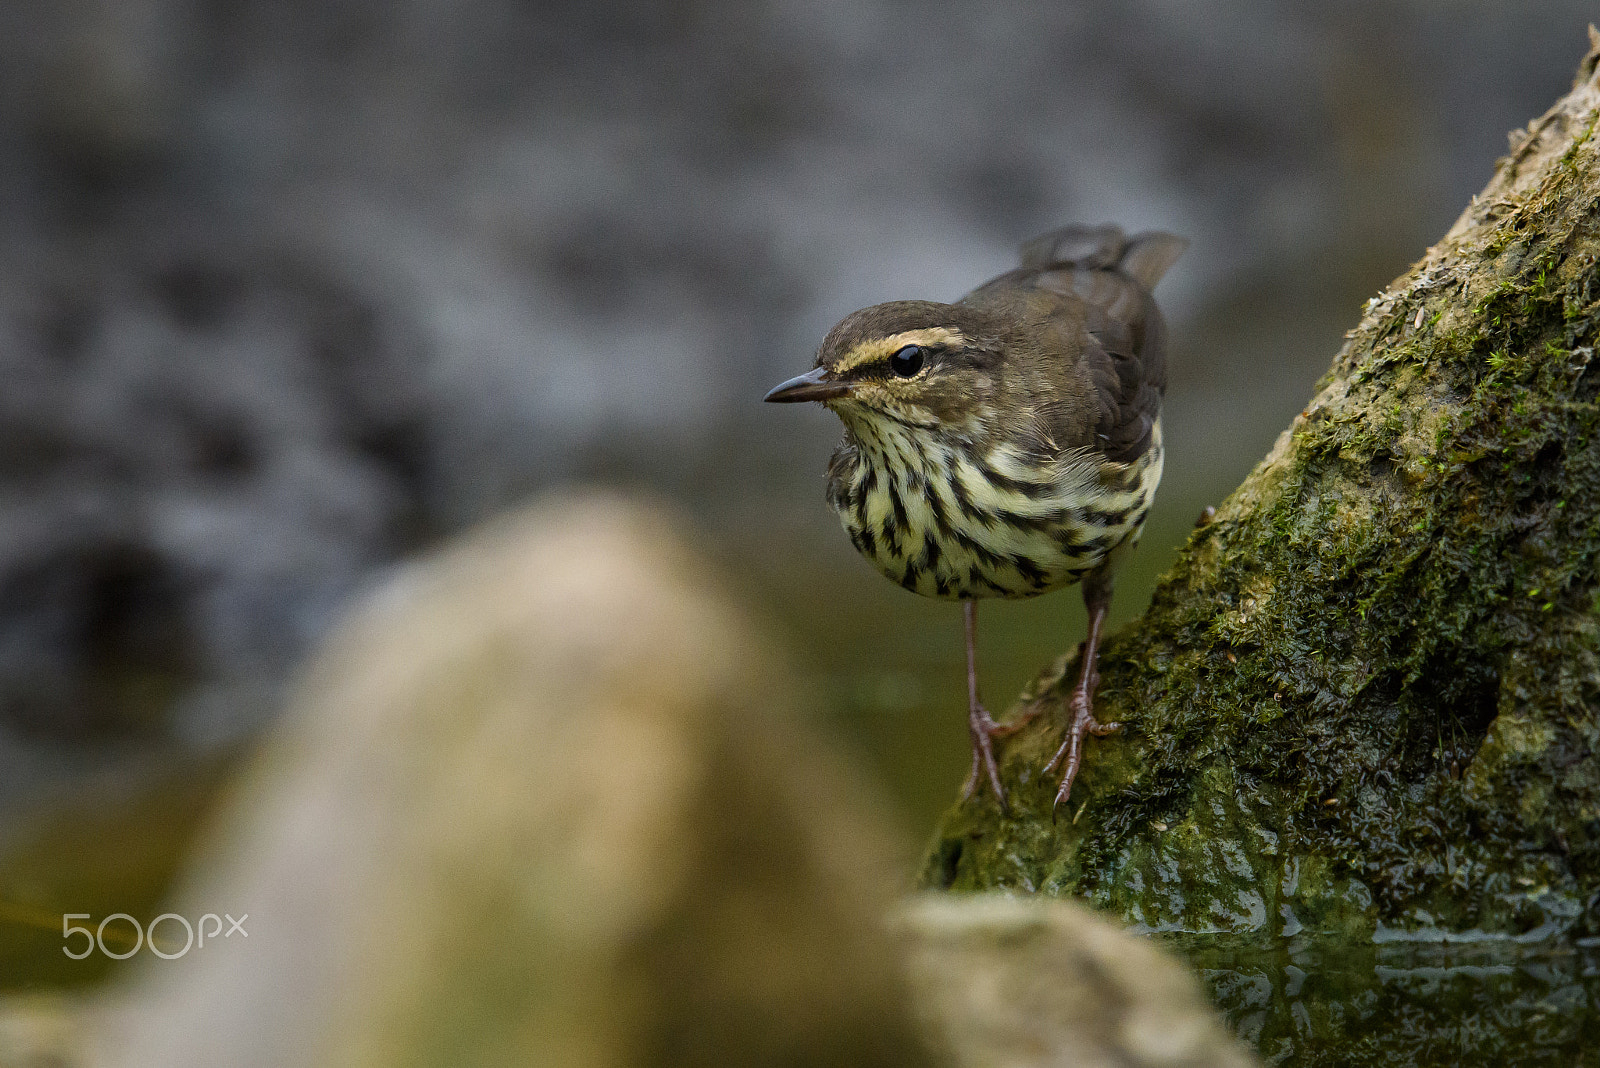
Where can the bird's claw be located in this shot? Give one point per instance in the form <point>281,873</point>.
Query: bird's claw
<point>1081,721</point>
<point>984,730</point>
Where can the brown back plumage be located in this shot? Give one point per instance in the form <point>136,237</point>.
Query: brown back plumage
<point>1096,283</point>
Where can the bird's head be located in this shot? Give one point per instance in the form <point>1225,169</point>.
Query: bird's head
<point>914,361</point>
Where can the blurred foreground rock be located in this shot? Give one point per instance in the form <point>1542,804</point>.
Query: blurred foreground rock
<point>39,1031</point>
<point>1002,980</point>
<point>532,807</point>
<point>539,803</point>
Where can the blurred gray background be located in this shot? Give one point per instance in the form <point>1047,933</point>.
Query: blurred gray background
<point>292,290</point>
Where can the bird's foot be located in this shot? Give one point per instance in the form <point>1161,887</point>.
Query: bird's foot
<point>984,730</point>
<point>1080,721</point>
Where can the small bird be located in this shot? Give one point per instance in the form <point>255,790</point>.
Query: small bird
<point>1006,445</point>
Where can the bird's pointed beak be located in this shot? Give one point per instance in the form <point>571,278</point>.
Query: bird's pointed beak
<point>814,385</point>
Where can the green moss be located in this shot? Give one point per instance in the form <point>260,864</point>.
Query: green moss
<point>1569,159</point>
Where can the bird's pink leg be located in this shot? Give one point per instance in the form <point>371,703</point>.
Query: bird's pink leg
<point>1080,705</point>
<point>982,725</point>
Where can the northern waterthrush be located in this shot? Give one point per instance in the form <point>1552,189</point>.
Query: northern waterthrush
<point>1008,444</point>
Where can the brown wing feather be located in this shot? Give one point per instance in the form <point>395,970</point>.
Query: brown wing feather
<point>1102,283</point>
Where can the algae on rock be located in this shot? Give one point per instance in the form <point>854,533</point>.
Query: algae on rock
<point>1365,697</point>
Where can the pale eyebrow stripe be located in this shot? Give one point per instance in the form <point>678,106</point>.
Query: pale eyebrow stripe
<point>876,349</point>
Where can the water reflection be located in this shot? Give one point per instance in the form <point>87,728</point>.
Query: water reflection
<point>1321,1001</point>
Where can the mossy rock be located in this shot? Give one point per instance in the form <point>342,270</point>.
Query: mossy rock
<point>1365,697</point>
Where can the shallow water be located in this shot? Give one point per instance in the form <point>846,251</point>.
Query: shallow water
<point>1314,1000</point>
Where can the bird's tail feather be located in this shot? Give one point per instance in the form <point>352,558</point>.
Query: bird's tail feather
<point>1145,257</point>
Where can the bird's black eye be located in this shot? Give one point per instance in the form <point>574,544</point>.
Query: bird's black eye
<point>906,362</point>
